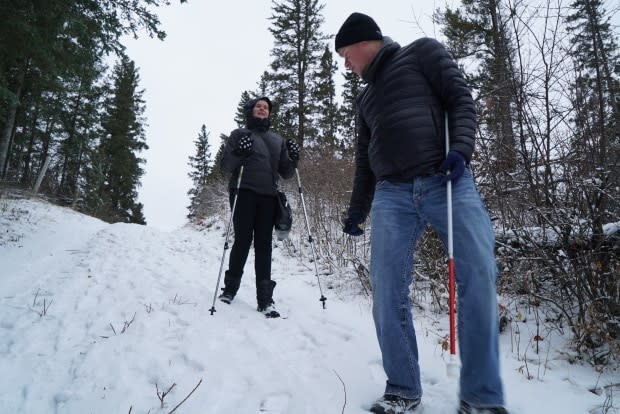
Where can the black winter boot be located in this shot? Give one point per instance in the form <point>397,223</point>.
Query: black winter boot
<point>231,286</point>
<point>465,408</point>
<point>394,404</point>
<point>264,297</point>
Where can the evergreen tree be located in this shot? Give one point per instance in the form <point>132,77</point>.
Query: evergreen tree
<point>94,182</point>
<point>324,94</point>
<point>215,174</point>
<point>240,113</point>
<point>596,99</point>
<point>353,86</point>
<point>597,84</point>
<point>586,169</point>
<point>200,165</point>
<point>28,39</point>
<point>42,41</point>
<point>296,28</point>
<point>477,29</point>
<point>124,138</point>
<point>79,122</point>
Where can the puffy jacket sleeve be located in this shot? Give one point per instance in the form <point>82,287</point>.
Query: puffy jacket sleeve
<point>448,83</point>
<point>286,166</point>
<point>364,179</point>
<point>230,161</point>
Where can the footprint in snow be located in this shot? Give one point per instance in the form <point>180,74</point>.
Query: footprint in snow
<point>275,403</point>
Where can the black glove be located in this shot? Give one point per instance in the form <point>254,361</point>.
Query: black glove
<point>293,150</point>
<point>244,146</point>
<point>351,224</point>
<point>455,163</point>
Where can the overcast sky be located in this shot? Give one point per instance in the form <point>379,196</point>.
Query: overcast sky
<point>213,52</point>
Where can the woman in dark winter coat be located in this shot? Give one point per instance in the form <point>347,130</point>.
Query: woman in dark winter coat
<point>265,157</point>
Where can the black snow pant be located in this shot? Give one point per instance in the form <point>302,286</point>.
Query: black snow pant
<point>253,219</point>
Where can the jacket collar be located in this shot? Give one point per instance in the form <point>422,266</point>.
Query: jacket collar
<point>388,48</point>
<point>258,124</point>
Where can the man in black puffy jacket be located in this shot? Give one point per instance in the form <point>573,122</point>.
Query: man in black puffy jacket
<point>402,169</point>
<point>265,157</point>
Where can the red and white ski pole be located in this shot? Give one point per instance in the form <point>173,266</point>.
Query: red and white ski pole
<point>452,366</point>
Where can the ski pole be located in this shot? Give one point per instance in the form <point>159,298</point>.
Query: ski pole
<point>232,213</point>
<point>310,240</point>
<point>452,366</point>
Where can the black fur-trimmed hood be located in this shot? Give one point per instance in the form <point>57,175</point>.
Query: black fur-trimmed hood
<point>256,123</point>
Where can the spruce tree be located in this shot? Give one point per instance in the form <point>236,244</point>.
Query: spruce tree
<point>240,113</point>
<point>353,86</point>
<point>42,41</point>
<point>328,117</point>
<point>595,150</point>
<point>79,122</point>
<point>216,173</point>
<point>478,30</point>
<point>124,139</point>
<point>596,93</point>
<point>296,28</point>
<point>597,84</point>
<point>200,164</point>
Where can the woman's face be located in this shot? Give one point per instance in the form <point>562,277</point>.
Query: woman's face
<point>261,110</point>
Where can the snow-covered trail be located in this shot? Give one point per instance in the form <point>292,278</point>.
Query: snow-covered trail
<point>127,316</point>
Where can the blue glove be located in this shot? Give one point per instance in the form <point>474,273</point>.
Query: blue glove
<point>244,146</point>
<point>293,150</point>
<point>455,163</point>
<point>351,224</point>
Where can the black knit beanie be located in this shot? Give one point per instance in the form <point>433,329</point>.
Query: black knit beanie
<point>357,28</point>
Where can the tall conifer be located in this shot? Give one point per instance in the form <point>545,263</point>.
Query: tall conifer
<point>124,139</point>
<point>478,29</point>
<point>353,85</point>
<point>200,164</point>
<point>328,117</point>
<point>296,28</point>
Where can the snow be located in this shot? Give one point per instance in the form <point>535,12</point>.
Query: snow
<point>104,318</point>
<point>611,228</point>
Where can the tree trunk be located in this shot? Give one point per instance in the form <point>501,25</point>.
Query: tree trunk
<point>505,134</point>
<point>5,135</point>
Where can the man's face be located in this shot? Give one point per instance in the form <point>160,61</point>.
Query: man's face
<point>261,110</point>
<point>356,56</point>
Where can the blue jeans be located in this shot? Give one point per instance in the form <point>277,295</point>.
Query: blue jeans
<point>400,211</point>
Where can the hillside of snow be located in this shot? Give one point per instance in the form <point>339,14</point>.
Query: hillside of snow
<point>114,318</point>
